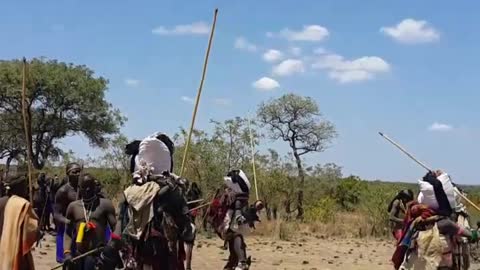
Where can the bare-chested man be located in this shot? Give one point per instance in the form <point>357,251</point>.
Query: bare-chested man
<point>89,217</point>
<point>64,196</point>
<point>397,210</point>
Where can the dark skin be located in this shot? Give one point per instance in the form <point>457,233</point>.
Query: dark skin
<point>66,194</point>
<point>397,209</point>
<point>98,211</point>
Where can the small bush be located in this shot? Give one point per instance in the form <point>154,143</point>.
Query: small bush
<point>323,211</point>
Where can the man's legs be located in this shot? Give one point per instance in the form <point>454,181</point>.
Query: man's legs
<point>232,258</point>
<point>241,252</point>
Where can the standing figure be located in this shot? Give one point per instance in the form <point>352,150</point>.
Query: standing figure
<point>18,226</point>
<point>232,218</point>
<point>397,210</point>
<point>154,215</point>
<point>42,202</point>
<point>192,193</point>
<point>64,196</point>
<point>89,217</point>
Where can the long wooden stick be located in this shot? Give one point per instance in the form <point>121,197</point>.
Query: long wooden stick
<point>200,206</point>
<point>252,146</point>
<point>26,129</point>
<point>195,201</point>
<point>426,168</point>
<point>80,256</point>
<point>197,101</point>
<point>404,151</point>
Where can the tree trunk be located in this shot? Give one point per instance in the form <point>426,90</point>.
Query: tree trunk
<point>301,175</point>
<point>268,211</point>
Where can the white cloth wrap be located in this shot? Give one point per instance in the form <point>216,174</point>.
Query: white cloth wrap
<point>154,154</point>
<point>427,195</point>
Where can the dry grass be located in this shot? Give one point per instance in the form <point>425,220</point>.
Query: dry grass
<point>351,225</point>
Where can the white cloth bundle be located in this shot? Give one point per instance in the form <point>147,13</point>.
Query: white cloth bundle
<point>427,195</point>
<point>154,154</point>
<point>235,187</point>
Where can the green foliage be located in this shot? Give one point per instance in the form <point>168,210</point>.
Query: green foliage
<point>348,192</point>
<point>297,120</point>
<point>323,210</point>
<point>62,100</point>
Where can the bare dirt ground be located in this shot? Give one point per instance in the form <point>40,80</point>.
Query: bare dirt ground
<point>306,254</point>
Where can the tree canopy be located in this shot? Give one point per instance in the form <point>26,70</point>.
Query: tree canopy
<point>62,100</point>
<point>297,120</point>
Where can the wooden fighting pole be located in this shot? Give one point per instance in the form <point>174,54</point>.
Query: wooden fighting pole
<point>425,167</point>
<point>26,126</point>
<point>252,146</point>
<point>199,92</point>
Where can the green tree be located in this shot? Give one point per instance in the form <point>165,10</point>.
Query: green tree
<point>114,157</point>
<point>62,100</point>
<point>297,120</point>
<point>348,192</point>
<point>235,133</point>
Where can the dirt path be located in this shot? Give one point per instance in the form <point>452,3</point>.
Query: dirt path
<point>308,254</point>
<point>274,255</point>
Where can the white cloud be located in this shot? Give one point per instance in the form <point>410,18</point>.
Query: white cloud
<point>350,76</point>
<point>187,99</point>
<point>296,51</point>
<point>196,28</point>
<point>440,127</point>
<point>288,67</point>
<point>346,71</point>
<point>308,33</point>
<point>132,82</point>
<point>272,56</point>
<point>222,101</point>
<point>266,83</point>
<point>320,50</point>
<point>242,43</point>
<point>410,31</point>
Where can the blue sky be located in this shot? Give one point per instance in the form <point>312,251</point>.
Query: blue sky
<point>408,68</point>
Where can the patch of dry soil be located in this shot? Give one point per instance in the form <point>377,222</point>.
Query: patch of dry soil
<point>309,254</point>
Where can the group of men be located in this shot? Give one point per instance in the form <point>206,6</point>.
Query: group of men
<point>154,228</point>
<point>429,227</point>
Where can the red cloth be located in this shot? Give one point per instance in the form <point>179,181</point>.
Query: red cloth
<point>398,235</point>
<point>414,210</point>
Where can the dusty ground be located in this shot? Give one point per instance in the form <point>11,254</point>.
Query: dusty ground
<point>307,254</point>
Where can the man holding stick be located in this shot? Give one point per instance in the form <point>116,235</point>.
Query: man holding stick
<point>89,218</point>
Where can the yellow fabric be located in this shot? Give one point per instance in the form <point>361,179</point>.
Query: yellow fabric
<point>19,234</point>
<point>432,252</point>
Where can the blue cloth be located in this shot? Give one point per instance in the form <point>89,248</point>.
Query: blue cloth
<point>59,239</point>
<point>108,234</point>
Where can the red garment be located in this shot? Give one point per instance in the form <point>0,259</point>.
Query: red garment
<point>414,210</point>
<point>397,234</point>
